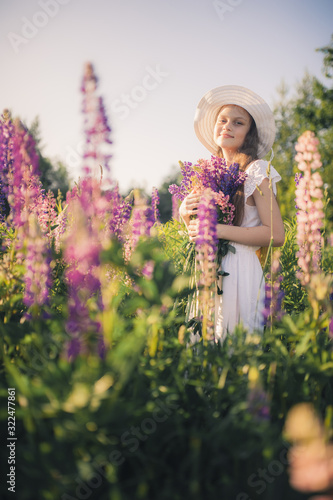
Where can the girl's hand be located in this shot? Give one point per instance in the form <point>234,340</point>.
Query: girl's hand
<point>193,229</point>
<point>189,206</point>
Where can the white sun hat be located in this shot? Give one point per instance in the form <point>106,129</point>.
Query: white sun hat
<point>206,114</point>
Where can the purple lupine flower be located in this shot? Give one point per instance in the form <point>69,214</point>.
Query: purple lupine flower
<point>148,269</point>
<point>60,227</point>
<point>21,191</point>
<point>155,200</point>
<point>43,205</point>
<point>120,212</point>
<point>231,181</point>
<point>38,275</point>
<point>206,247</point>
<point>188,176</point>
<point>143,220</point>
<point>96,128</point>
<point>6,148</point>
<point>207,237</point>
<point>210,172</point>
<point>214,174</point>
<point>2,203</point>
<point>138,224</point>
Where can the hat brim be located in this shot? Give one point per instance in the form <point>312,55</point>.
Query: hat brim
<point>206,114</point>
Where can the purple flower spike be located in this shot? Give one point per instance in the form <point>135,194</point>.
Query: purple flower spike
<point>207,215</point>
<point>155,200</point>
<point>6,148</point>
<point>96,128</point>
<point>206,247</point>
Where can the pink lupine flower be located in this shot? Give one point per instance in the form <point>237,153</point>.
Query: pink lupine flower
<point>155,200</point>
<point>43,206</point>
<point>148,269</point>
<point>309,203</point>
<point>23,170</point>
<point>206,247</point>
<point>119,212</point>
<point>96,128</point>
<point>141,222</point>
<point>6,147</point>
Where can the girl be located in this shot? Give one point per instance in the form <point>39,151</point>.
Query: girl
<point>235,123</point>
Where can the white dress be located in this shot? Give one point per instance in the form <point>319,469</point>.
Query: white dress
<point>243,295</point>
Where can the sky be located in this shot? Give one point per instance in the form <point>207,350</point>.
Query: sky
<point>155,59</point>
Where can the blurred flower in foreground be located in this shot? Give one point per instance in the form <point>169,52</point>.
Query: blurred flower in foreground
<point>206,246</point>
<point>310,215</point>
<point>311,455</point>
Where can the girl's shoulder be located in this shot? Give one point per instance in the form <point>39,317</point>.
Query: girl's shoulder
<point>256,172</point>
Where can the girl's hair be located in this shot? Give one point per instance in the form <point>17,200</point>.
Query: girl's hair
<point>247,153</point>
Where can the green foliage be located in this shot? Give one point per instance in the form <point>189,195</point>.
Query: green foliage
<point>157,418</point>
<point>175,238</point>
<point>295,299</point>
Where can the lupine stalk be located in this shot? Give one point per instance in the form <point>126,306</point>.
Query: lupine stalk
<point>23,174</point>
<point>187,184</point>
<point>155,200</point>
<point>309,203</point>
<point>6,147</point>
<point>96,128</point>
<point>119,212</point>
<point>206,247</point>
<point>142,221</point>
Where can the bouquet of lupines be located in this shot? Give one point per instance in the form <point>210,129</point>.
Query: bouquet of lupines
<point>223,182</point>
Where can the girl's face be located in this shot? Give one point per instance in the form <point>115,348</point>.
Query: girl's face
<point>232,125</point>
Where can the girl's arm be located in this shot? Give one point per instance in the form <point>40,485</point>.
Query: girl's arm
<point>255,236</point>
